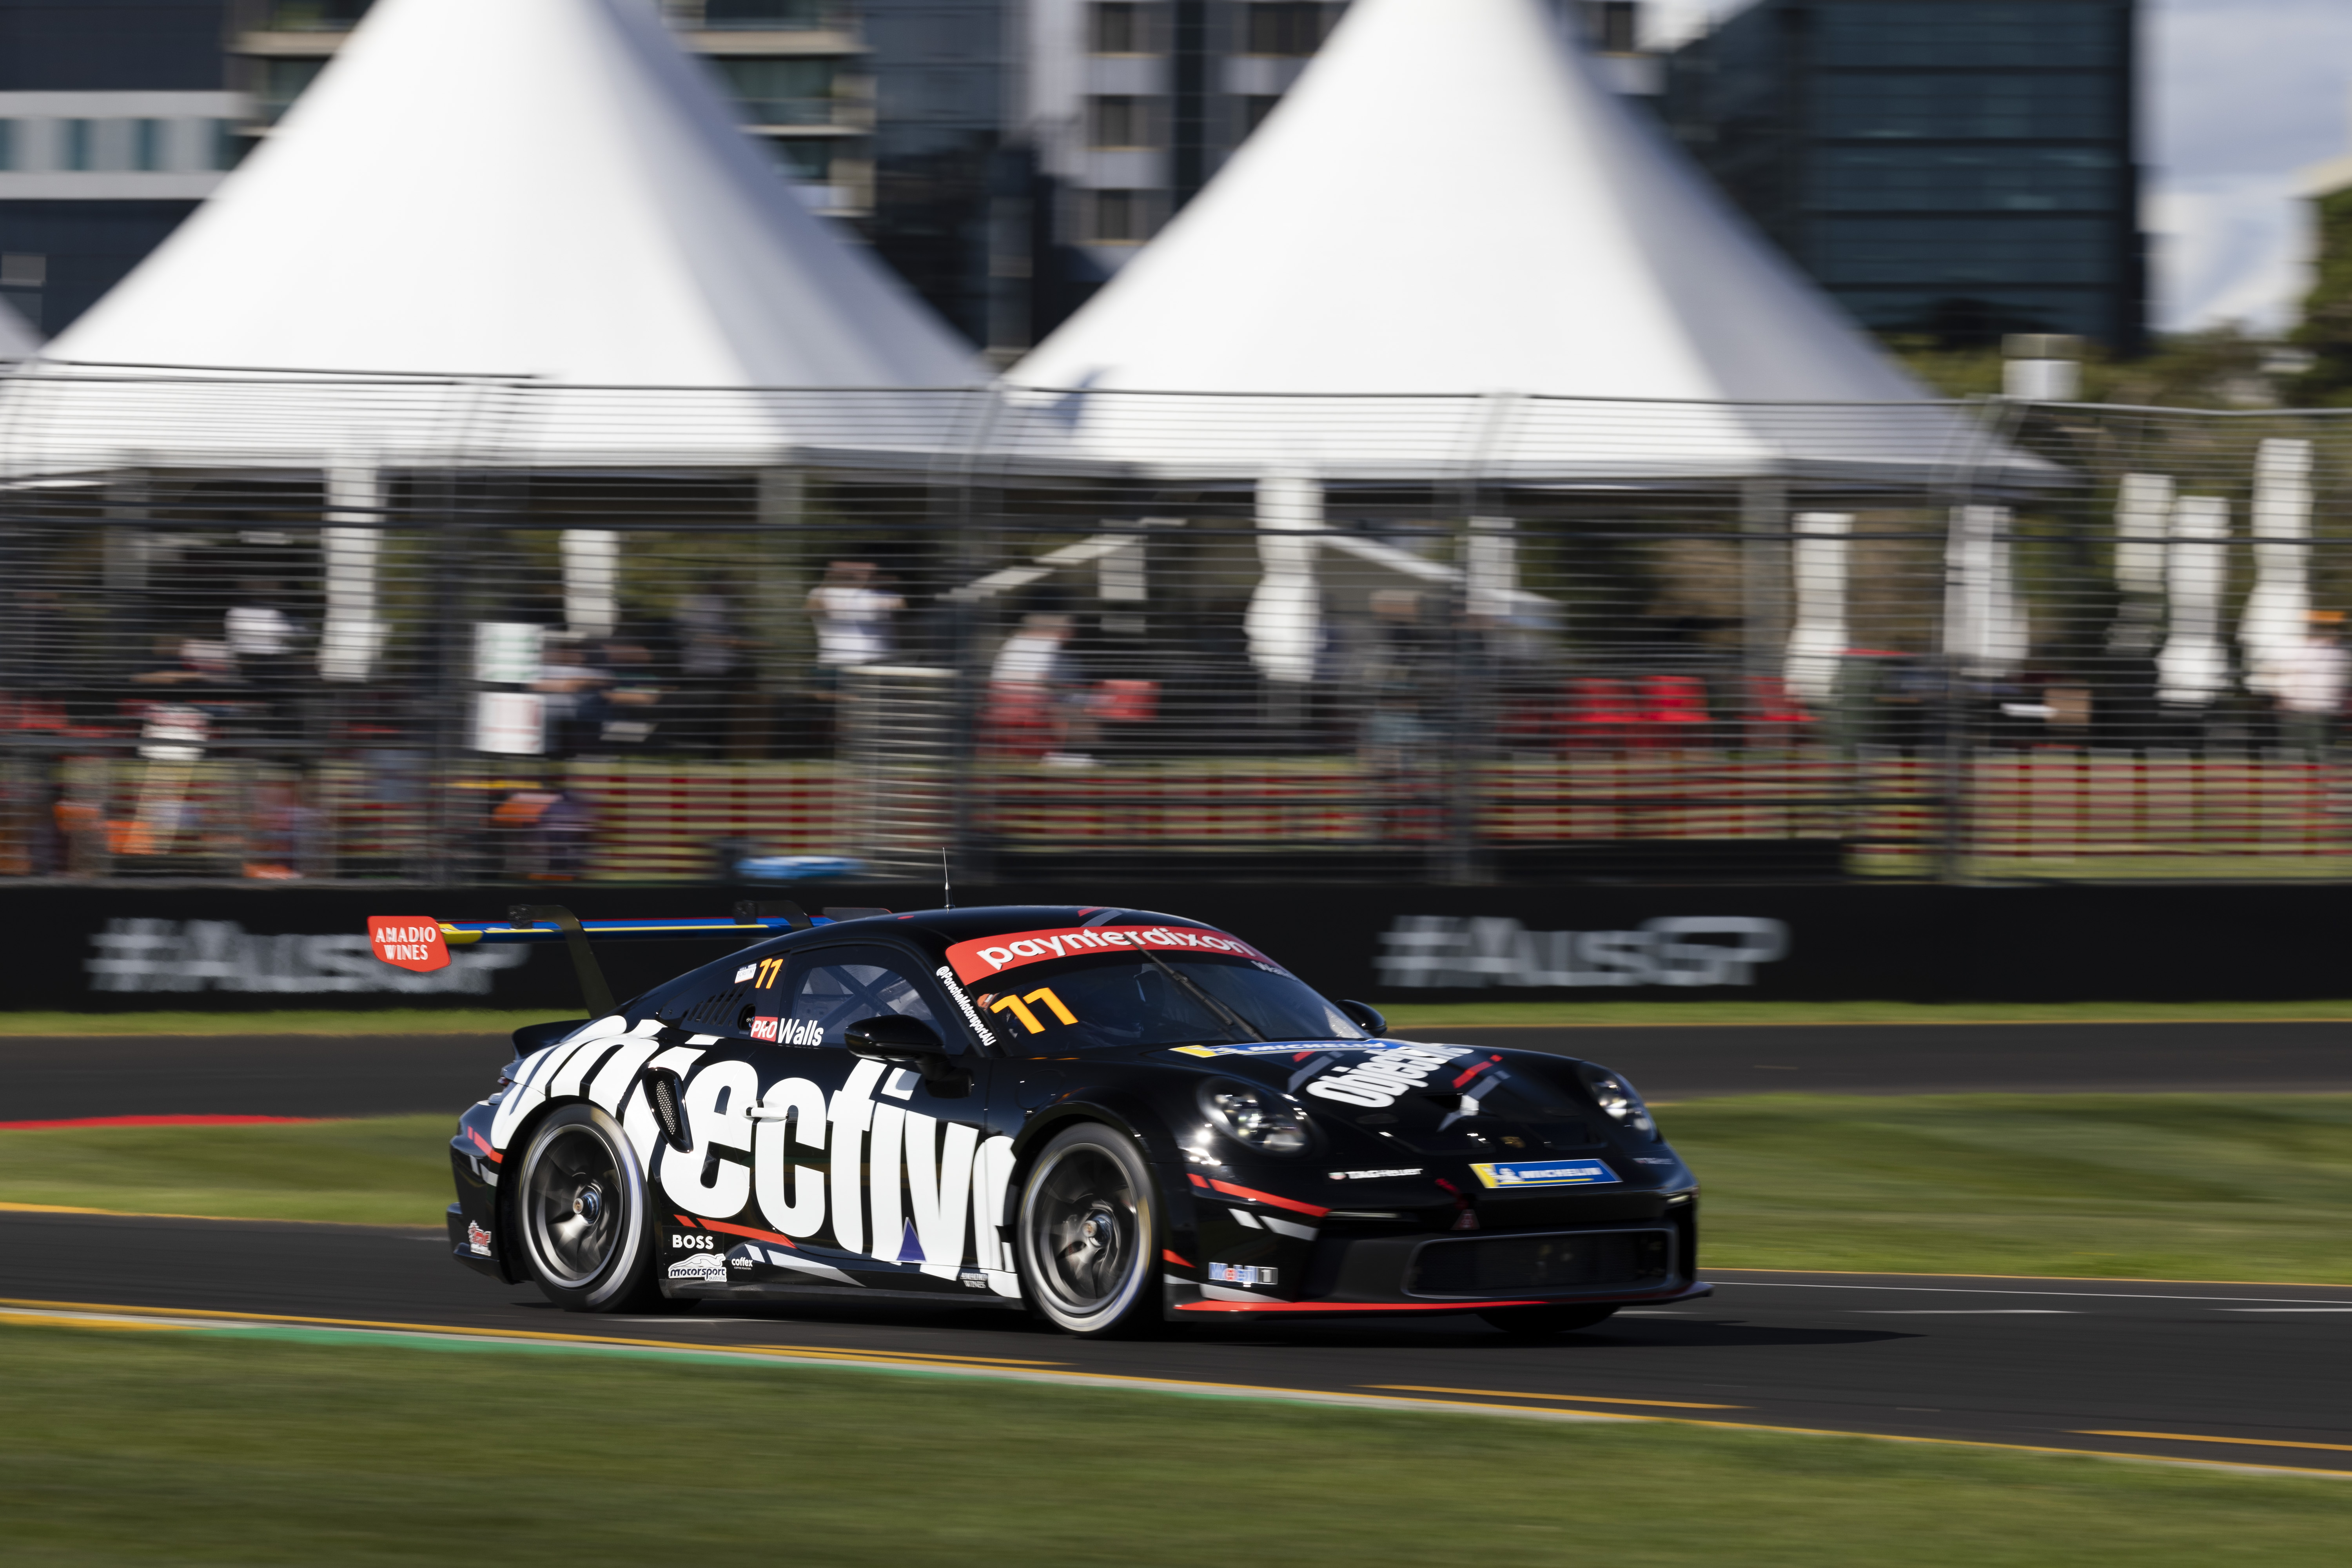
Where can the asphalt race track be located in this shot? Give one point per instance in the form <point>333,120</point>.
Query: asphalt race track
<point>2243,1374</point>
<point>336,1075</point>
<point>2238,1375</point>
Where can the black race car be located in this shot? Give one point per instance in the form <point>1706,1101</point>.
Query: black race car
<point>1110,1117</point>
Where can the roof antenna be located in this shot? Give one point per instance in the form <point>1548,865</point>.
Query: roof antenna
<point>947,888</point>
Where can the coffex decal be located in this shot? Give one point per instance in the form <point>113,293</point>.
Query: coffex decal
<point>1379,1080</point>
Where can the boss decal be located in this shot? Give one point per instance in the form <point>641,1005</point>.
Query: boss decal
<point>691,1243</point>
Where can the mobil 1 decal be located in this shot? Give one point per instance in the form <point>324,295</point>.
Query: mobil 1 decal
<point>813,1181</point>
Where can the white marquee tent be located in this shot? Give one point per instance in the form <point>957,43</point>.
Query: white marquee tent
<point>547,190</point>
<point>18,341</point>
<point>1452,203</point>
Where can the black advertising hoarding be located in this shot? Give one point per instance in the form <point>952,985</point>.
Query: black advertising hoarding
<point>104,949</point>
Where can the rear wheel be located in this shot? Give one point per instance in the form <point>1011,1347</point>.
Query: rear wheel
<point>1539,1321</point>
<point>580,1210</point>
<point>1089,1234</point>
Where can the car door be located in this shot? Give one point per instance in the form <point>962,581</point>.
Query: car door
<point>865,1173</point>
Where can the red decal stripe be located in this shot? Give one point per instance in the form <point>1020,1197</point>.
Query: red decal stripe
<point>1167,1256</point>
<point>484,1144</point>
<point>156,1121</point>
<point>1199,1180</point>
<point>1346,1306</point>
<point>1317,1210</point>
<point>686,1222</point>
<point>1473,1072</point>
<point>747,1230</point>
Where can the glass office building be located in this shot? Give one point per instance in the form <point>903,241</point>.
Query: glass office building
<point>1954,169</point>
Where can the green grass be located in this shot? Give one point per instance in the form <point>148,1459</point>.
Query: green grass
<point>1553,1015</point>
<point>289,1021</point>
<point>220,1447</point>
<point>2152,1186</point>
<point>388,1170</point>
<point>2166,1186</point>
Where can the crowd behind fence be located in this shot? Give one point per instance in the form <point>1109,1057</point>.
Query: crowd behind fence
<point>2097,642</point>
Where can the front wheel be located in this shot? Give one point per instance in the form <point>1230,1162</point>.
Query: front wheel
<point>581,1211</point>
<point>1539,1321</point>
<point>1089,1234</point>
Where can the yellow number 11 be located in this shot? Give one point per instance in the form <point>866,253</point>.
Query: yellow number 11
<point>1043,995</point>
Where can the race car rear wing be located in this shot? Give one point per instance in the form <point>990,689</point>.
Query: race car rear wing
<point>424,943</point>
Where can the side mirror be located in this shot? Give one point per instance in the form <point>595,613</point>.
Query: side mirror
<point>902,1042</point>
<point>1365,1016</point>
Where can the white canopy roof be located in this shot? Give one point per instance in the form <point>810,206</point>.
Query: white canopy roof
<point>531,188</point>
<point>1451,202</point>
<point>18,339</point>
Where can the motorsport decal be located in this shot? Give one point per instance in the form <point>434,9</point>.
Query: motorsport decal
<point>746,972</point>
<point>1374,1176</point>
<point>1241,1274</point>
<point>477,1240</point>
<point>983,956</point>
<point>789,1031</point>
<point>1546,1173</point>
<point>702,1269</point>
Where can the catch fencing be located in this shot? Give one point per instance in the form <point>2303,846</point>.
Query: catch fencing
<point>445,629</point>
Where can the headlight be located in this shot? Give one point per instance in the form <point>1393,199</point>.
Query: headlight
<point>1255,1118</point>
<point>1618,1100</point>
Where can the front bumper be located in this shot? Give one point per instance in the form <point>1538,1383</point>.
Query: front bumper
<point>1607,1262</point>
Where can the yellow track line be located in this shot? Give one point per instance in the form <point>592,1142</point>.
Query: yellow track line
<point>2248,1442</point>
<point>14,1307</point>
<point>1576,1398</point>
<point>216,1219</point>
<point>2055,1278</point>
<point>1853,1024</point>
<point>1027,1374</point>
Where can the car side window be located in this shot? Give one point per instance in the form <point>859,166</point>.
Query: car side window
<point>716,999</point>
<point>827,991</point>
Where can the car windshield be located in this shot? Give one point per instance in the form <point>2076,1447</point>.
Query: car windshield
<point>1095,1004</point>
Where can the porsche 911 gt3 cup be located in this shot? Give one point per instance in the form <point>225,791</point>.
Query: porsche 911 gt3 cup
<point>1112,1117</point>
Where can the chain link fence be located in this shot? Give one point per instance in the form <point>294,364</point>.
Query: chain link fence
<point>437,629</point>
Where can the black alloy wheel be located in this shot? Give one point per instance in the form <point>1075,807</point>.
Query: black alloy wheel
<point>580,1210</point>
<point>1534,1322</point>
<point>1088,1235</point>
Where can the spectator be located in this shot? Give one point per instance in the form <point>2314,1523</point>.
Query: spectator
<point>1032,676</point>
<point>707,662</point>
<point>853,620</point>
<point>2312,679</point>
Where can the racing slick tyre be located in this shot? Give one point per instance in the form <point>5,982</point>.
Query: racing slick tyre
<point>1088,1235</point>
<point>580,1210</point>
<point>1533,1323</point>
